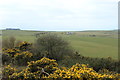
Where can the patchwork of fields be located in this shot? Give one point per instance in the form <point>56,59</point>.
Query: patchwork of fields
<point>88,43</point>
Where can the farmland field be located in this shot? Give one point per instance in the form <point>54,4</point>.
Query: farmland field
<point>88,43</point>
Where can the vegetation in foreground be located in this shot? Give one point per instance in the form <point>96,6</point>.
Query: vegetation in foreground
<point>45,69</point>
<point>37,67</point>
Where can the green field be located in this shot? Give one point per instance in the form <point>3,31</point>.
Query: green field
<point>88,43</point>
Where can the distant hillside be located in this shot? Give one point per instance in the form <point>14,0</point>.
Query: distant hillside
<point>88,43</point>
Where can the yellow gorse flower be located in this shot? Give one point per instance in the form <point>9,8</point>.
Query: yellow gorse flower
<point>76,72</point>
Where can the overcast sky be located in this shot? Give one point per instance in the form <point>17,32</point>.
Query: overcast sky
<point>59,15</point>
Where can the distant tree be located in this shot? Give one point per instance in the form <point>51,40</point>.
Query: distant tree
<point>12,42</point>
<point>52,46</point>
<point>8,42</point>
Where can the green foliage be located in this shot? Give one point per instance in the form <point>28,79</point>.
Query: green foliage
<point>24,46</point>
<point>52,46</point>
<point>8,55</point>
<point>22,58</point>
<point>49,65</point>
<point>102,68</point>
<point>6,59</point>
<point>96,63</point>
<point>46,69</point>
<point>37,69</point>
<point>8,70</point>
<point>11,52</point>
<point>17,55</point>
<point>82,72</point>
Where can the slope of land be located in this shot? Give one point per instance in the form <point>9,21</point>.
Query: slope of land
<point>88,43</point>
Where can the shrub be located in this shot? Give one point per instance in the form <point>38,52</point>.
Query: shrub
<point>96,63</point>
<point>8,55</point>
<point>11,52</point>
<point>9,42</point>
<point>24,46</point>
<point>45,69</point>
<point>17,55</point>
<point>6,59</point>
<point>8,70</point>
<point>47,64</point>
<point>36,69</point>
<point>22,58</point>
<point>81,72</point>
<point>52,46</point>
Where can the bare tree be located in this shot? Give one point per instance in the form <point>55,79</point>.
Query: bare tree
<point>12,42</point>
<point>9,42</point>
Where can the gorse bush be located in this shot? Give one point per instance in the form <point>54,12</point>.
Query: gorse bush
<point>24,46</point>
<point>38,67</point>
<point>22,57</point>
<point>49,65</point>
<point>82,72</point>
<point>18,55</point>
<point>8,56</point>
<point>11,52</point>
<point>6,59</point>
<point>48,69</point>
<point>96,63</point>
<point>7,71</point>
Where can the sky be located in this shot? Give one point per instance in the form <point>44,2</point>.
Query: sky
<point>59,15</point>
